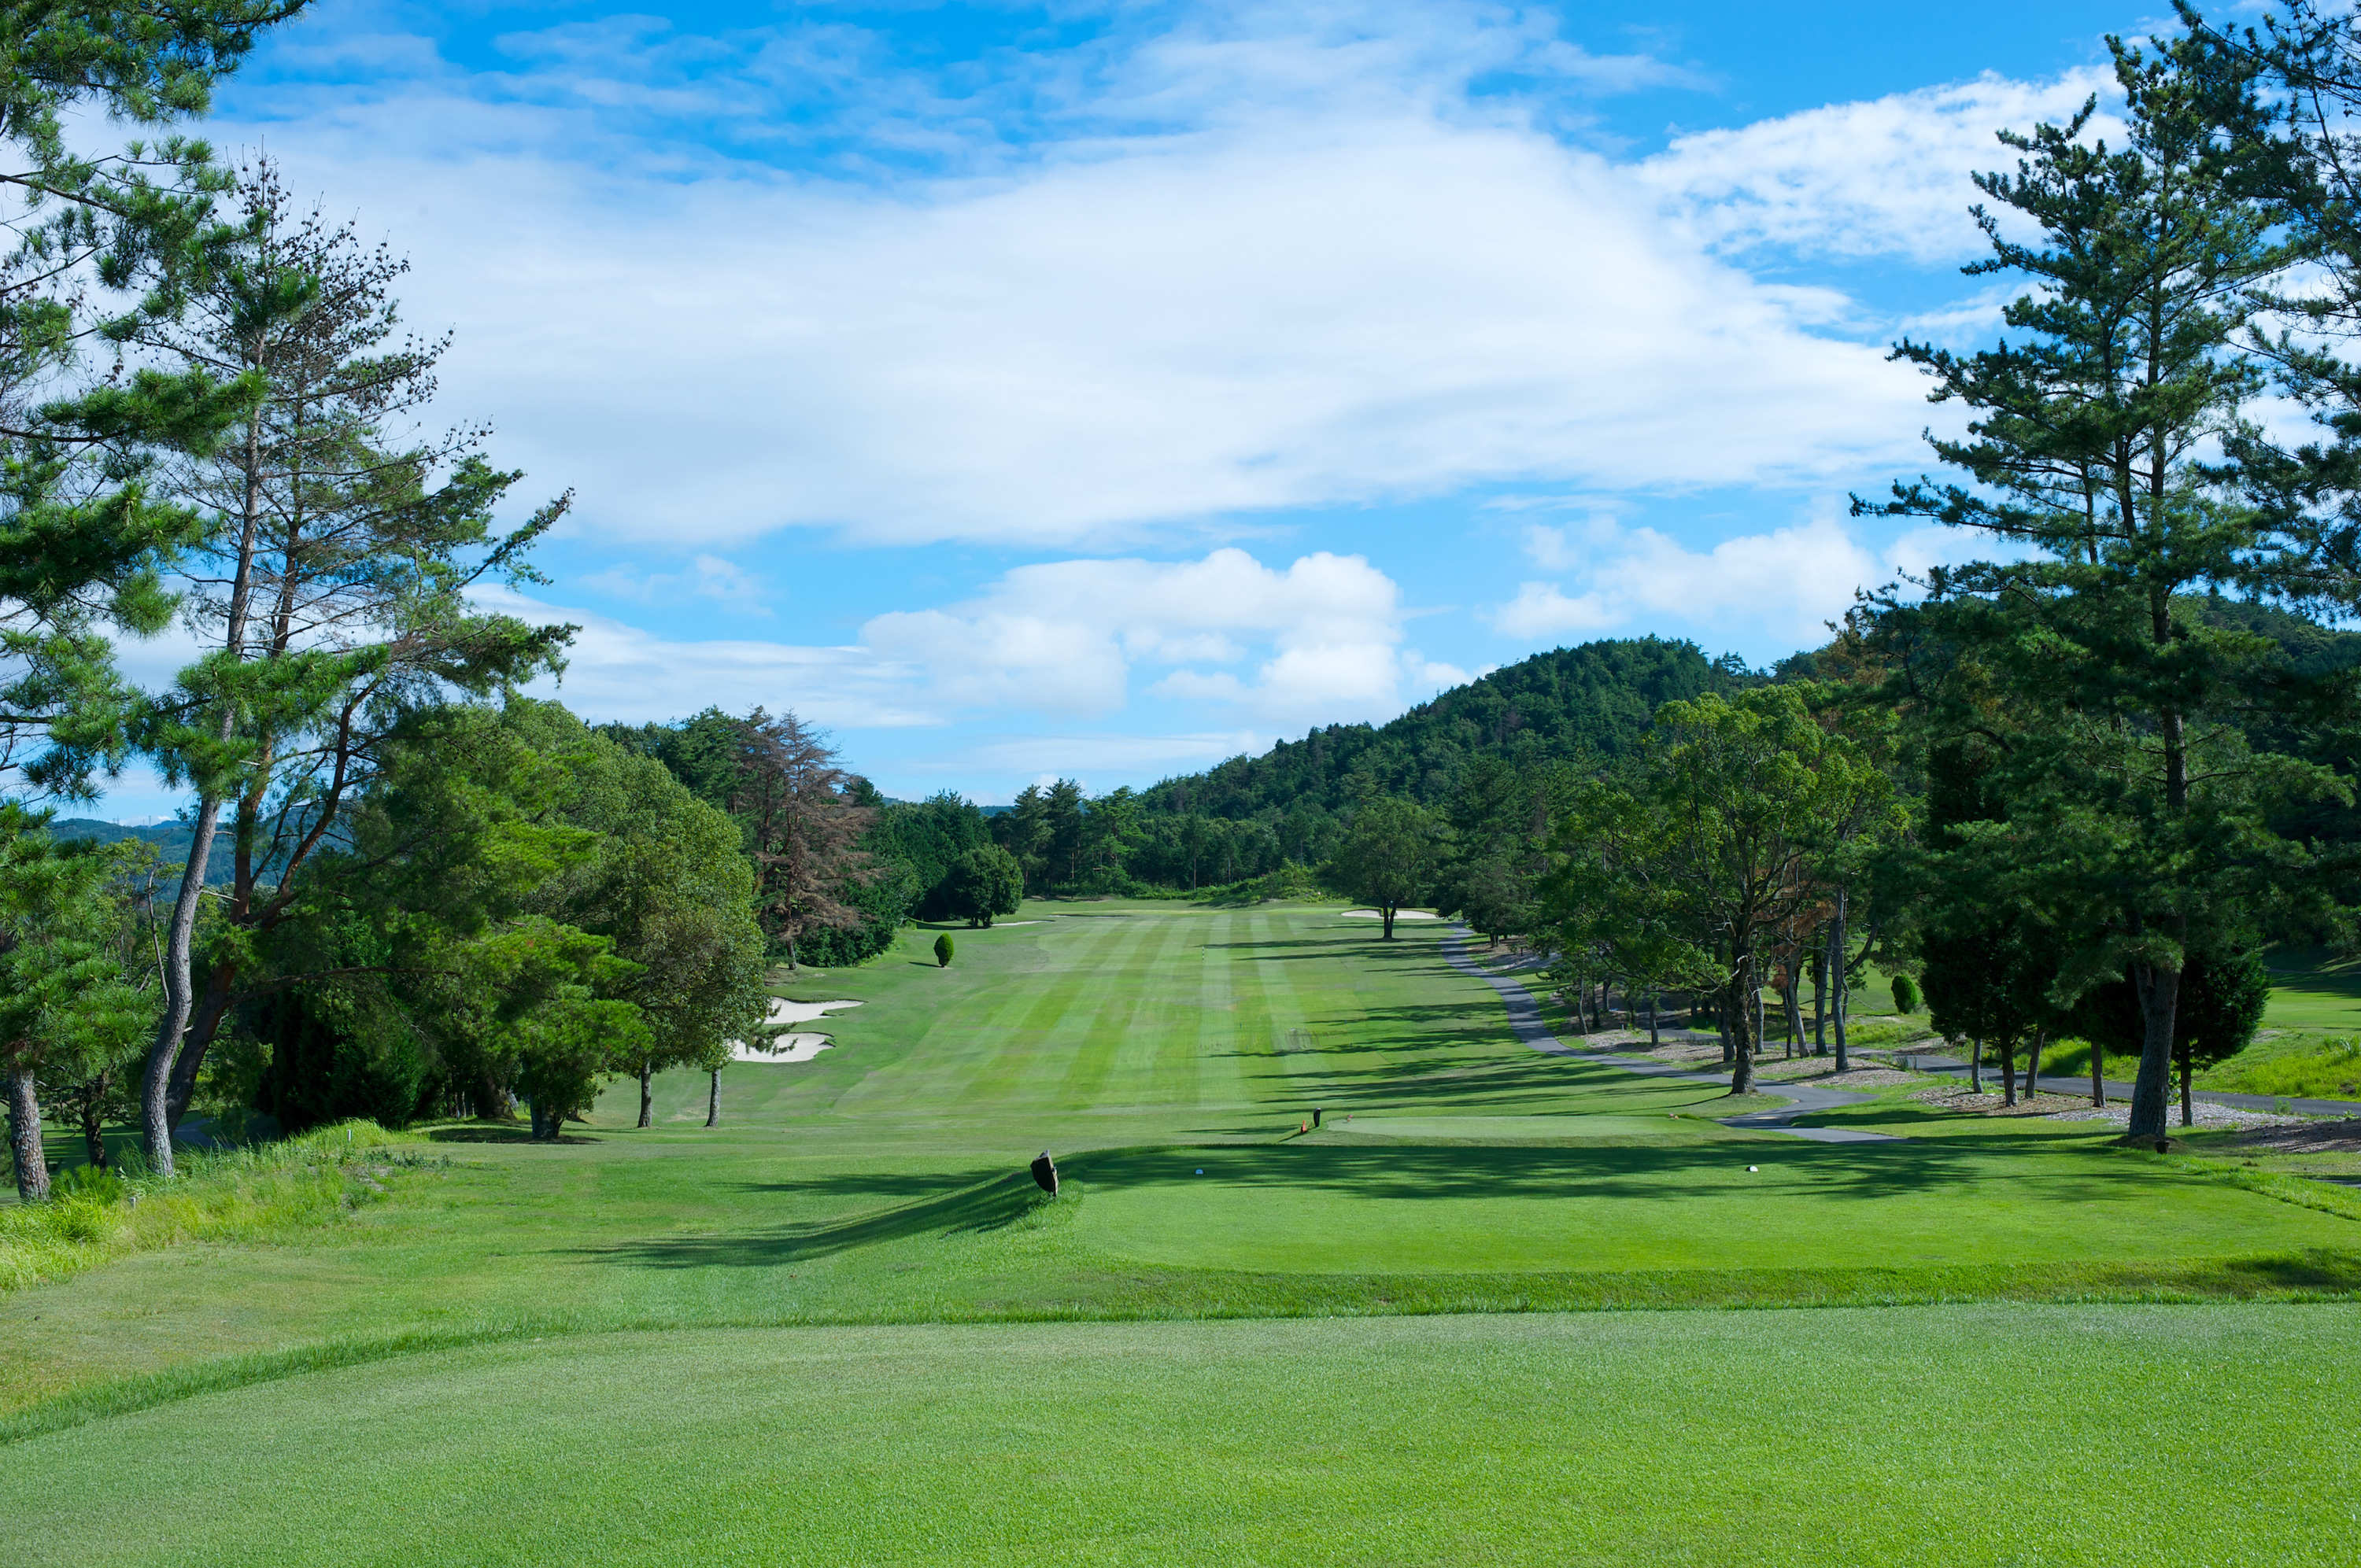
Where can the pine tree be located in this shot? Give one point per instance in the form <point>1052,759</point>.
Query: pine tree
<point>330,587</point>
<point>2138,818</point>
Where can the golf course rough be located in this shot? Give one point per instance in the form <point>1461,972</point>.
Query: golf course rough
<point>846,1325</point>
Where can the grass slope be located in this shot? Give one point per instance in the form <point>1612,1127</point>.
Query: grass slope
<point>1928,1435</point>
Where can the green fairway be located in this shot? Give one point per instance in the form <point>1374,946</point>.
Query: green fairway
<point>1724,1203</point>
<point>676,1339</point>
<point>1912,1435</point>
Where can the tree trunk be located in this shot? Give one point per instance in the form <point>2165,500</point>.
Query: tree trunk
<point>2158,989</point>
<point>1820,1004</point>
<point>211,1010</point>
<point>1837,979</point>
<point>1655,1002</point>
<point>1976,1066</point>
<point>2008,1071</point>
<point>2033,1065</point>
<point>713,1101</point>
<point>24,1136</point>
<point>2188,1111</point>
<point>1742,985</point>
<point>1386,910</point>
<point>2098,1076</point>
<point>647,1072</point>
<point>492,1101</point>
<point>155,1089</point>
<point>92,1116</point>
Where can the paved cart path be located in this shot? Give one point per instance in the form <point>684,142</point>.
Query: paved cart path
<point>1525,1019</point>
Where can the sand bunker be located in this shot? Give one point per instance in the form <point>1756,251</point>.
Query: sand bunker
<point>1398,914</point>
<point>796,1047</point>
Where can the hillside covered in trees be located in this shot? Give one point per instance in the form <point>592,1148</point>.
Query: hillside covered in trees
<point>1593,701</point>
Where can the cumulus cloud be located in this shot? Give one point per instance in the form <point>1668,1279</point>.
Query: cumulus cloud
<point>1316,642</point>
<point>1790,581</point>
<point>1064,638</point>
<point>1884,177</point>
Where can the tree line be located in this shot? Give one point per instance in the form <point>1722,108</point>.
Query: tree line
<point>438,893</point>
<point>2079,785</point>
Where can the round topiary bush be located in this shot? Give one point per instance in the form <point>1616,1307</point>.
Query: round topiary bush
<point>943,948</point>
<point>1905,995</point>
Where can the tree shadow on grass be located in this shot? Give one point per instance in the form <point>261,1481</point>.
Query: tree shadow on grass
<point>978,1209</point>
<point>880,1183</point>
<point>1645,1172</point>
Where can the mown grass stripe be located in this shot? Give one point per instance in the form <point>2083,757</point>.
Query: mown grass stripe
<point>1110,1025</point>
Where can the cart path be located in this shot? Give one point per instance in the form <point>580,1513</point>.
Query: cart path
<point>1525,1020</point>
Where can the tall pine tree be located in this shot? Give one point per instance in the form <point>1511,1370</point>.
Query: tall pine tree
<point>2138,819</point>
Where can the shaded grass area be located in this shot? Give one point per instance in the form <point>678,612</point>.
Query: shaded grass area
<point>2313,988</point>
<point>1773,1438</point>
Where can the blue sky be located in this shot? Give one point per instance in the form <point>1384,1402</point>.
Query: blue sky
<point>1035,390</point>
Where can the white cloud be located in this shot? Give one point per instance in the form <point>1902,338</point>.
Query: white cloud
<point>1063,637</point>
<point>709,576</point>
<point>1884,177</point>
<point>1791,581</point>
<point>1317,641</point>
<point>1322,274</point>
<point>617,670</point>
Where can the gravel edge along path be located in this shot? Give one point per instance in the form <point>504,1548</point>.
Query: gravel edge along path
<point>1525,1020</point>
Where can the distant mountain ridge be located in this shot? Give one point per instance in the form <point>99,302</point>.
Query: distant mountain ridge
<point>171,840</point>
<point>1593,701</point>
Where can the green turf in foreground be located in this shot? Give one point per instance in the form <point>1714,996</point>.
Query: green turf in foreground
<point>1934,1435</point>
<point>444,1374</point>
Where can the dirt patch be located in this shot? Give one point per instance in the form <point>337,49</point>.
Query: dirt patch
<point>2309,1137</point>
<point>1825,1077</point>
<point>1958,1097</point>
<point>1678,1048</point>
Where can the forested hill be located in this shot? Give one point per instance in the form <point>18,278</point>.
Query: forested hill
<point>171,840</point>
<point>1592,701</point>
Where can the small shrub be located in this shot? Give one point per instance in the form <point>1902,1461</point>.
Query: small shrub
<point>93,1182</point>
<point>944,947</point>
<point>1905,995</point>
<point>238,1194</point>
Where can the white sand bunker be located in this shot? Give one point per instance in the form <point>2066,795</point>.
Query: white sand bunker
<point>795,1047</point>
<point>1398,914</point>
